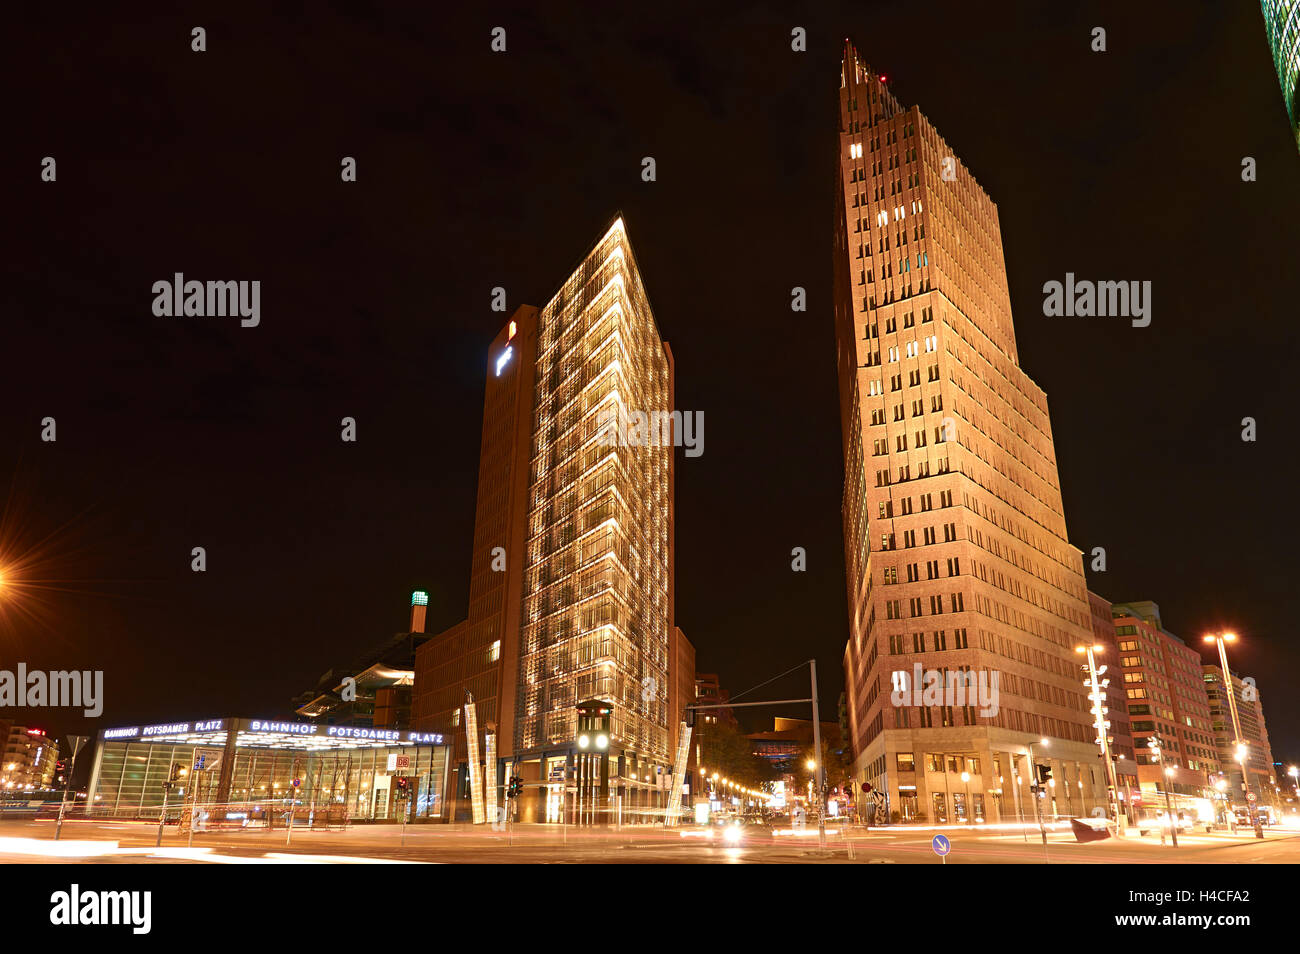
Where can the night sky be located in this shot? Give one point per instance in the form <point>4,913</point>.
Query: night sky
<point>478,169</point>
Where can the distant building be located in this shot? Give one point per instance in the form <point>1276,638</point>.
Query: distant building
<point>1282,24</point>
<point>376,689</point>
<point>709,692</point>
<point>790,738</point>
<point>1260,777</point>
<point>29,760</point>
<point>1165,689</point>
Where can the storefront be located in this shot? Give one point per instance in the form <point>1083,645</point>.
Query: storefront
<point>255,771</point>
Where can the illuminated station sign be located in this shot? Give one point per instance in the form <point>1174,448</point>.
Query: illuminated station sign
<point>253,731</point>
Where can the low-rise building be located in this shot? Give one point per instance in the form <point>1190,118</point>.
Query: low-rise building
<point>29,760</point>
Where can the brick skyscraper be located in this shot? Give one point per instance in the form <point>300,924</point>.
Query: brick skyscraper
<point>956,549</point>
<point>571,580</point>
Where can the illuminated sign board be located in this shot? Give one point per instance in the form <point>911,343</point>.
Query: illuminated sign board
<point>505,357</point>
<point>165,728</point>
<point>267,727</point>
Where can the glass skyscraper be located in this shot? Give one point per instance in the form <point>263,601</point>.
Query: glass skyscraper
<point>571,580</point>
<point>1282,21</point>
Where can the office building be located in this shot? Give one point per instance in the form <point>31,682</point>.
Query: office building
<point>956,550</point>
<point>571,579</point>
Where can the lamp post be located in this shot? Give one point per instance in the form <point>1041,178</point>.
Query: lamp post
<point>965,777</point>
<point>1096,694</point>
<point>1222,639</point>
<point>1169,812</point>
<point>1033,789</point>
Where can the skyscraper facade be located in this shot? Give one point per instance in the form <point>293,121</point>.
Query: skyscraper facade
<point>571,584</point>
<point>1163,680</point>
<point>1255,771</point>
<point>956,550</point>
<point>1282,23</point>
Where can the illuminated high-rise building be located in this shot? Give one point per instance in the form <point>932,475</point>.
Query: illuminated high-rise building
<point>571,582</point>
<point>956,549</point>
<point>1282,23</point>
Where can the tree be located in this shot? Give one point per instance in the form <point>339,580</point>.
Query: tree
<point>725,750</point>
<point>835,764</point>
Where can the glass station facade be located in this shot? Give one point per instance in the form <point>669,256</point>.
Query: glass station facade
<point>245,769</point>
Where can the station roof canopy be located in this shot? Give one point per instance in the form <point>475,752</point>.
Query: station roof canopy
<point>271,734</point>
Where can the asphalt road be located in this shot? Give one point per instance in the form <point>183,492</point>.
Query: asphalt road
<point>124,842</point>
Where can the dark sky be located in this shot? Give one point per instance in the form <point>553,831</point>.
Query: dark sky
<point>478,169</point>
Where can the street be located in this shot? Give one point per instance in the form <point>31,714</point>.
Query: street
<point>133,842</point>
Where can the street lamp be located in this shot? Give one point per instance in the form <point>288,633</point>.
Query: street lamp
<point>1096,694</point>
<point>1221,639</point>
<point>965,777</point>
<point>1033,788</point>
<point>1169,812</point>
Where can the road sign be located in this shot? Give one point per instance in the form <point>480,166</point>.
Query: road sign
<point>1250,796</point>
<point>297,782</point>
<point>941,845</point>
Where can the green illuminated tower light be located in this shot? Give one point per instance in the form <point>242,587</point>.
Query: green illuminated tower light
<point>1282,21</point>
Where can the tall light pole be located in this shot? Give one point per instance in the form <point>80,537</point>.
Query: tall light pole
<point>1169,811</point>
<point>1033,789</point>
<point>817,754</point>
<point>1241,750</point>
<point>1098,698</point>
<point>970,817</point>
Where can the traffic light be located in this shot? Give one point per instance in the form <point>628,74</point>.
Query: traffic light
<point>403,786</point>
<point>174,777</point>
<point>514,787</point>
<point>1044,773</point>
